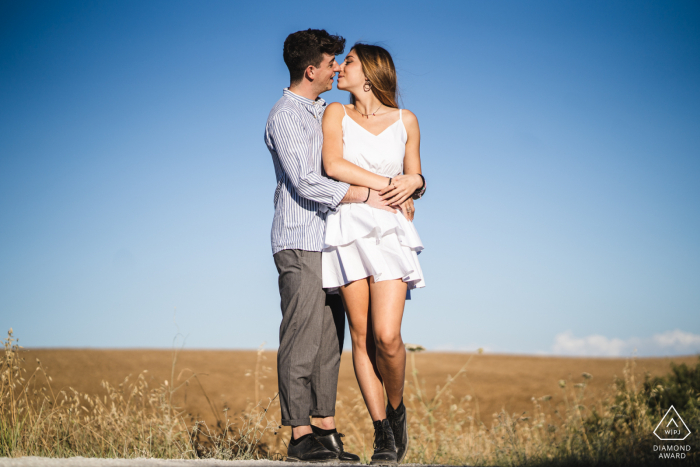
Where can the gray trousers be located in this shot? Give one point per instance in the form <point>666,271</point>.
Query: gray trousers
<point>311,339</point>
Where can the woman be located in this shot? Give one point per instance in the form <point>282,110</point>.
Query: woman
<point>370,254</point>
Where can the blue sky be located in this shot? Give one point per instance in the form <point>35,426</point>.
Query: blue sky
<point>560,141</point>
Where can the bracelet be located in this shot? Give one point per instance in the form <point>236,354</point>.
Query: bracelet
<point>368,192</point>
<point>423,185</point>
<point>421,191</point>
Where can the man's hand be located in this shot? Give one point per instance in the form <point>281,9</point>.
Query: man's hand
<point>358,194</point>
<point>408,210</point>
<point>376,202</point>
<point>401,188</point>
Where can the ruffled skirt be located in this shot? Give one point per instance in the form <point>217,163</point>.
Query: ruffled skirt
<point>362,241</point>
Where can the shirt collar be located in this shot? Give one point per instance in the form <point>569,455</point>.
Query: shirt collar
<point>303,100</point>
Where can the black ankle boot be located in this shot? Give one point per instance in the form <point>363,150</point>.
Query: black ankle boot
<point>333,443</point>
<point>399,426</point>
<point>384,445</point>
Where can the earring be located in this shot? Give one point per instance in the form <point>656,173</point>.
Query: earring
<point>367,86</point>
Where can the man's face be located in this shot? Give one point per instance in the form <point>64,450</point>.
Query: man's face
<point>324,74</point>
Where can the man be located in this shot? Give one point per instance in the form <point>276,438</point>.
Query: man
<point>313,324</point>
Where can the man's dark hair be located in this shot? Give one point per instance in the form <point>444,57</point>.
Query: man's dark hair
<point>304,48</point>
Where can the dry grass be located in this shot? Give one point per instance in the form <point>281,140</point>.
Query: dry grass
<point>615,429</point>
<point>494,410</point>
<point>131,419</point>
<point>495,382</point>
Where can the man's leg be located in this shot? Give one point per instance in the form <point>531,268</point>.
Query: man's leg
<point>302,304</point>
<point>324,380</point>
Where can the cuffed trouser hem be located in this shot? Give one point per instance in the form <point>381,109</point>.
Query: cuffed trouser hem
<point>297,422</point>
<point>323,414</point>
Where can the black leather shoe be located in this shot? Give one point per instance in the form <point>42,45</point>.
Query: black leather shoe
<point>399,426</point>
<point>310,449</point>
<point>334,444</point>
<point>384,445</point>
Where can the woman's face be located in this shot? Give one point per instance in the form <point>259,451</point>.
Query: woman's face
<point>351,75</point>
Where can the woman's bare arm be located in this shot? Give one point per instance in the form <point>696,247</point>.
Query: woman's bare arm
<point>405,185</point>
<point>336,167</point>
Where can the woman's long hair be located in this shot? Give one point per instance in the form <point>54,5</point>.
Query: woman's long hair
<point>378,67</point>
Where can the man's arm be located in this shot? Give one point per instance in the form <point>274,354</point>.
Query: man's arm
<point>295,156</point>
<point>355,194</point>
<point>361,194</point>
<point>293,152</point>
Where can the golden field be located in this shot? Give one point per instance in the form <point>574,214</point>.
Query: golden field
<point>495,382</point>
<point>463,409</point>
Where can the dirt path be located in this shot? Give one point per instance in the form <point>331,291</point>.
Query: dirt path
<point>143,462</point>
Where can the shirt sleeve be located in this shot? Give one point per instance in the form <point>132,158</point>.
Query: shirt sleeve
<point>292,145</point>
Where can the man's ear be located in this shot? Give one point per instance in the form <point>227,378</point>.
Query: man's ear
<point>310,72</point>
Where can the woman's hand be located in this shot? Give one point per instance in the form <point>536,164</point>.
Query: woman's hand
<point>401,188</point>
<point>376,202</point>
<point>408,210</point>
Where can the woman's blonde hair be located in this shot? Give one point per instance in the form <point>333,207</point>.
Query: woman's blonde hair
<point>379,69</point>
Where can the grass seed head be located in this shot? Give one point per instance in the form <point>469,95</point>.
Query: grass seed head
<point>414,347</point>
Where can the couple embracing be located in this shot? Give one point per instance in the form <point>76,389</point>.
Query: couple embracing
<point>343,241</point>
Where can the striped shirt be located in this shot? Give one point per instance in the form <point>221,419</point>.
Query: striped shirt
<point>303,194</point>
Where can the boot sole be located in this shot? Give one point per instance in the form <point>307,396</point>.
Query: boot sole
<point>314,461</point>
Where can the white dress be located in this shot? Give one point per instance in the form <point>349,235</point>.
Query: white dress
<point>363,241</point>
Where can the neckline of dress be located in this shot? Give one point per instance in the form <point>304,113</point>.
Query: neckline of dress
<point>377,135</point>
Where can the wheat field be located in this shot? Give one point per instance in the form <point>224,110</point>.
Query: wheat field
<point>227,376</point>
<point>474,409</point>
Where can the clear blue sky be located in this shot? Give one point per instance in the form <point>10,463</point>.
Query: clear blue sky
<point>560,141</point>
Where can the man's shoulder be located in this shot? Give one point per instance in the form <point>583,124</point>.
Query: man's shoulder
<point>284,106</point>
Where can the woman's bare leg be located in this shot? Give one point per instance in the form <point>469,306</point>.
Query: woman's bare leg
<point>387,300</point>
<point>356,299</point>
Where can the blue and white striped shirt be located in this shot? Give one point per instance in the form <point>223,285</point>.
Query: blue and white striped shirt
<point>303,195</point>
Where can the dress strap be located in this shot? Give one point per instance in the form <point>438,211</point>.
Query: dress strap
<point>400,115</point>
<point>346,112</point>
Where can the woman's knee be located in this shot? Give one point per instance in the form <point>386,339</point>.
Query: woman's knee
<point>359,340</point>
<point>389,342</point>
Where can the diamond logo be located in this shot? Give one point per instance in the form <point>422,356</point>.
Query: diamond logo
<point>672,427</point>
